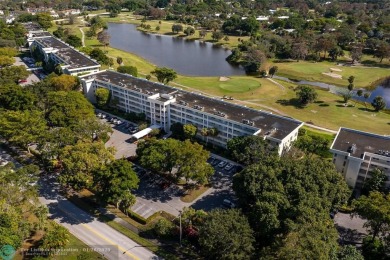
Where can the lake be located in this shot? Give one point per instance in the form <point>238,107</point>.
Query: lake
<point>187,57</point>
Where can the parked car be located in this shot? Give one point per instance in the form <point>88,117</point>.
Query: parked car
<point>103,116</point>
<point>227,203</point>
<point>99,115</point>
<point>215,162</point>
<point>222,164</point>
<point>229,166</point>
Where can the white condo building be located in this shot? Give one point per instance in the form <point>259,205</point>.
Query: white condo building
<point>164,105</point>
<point>73,62</point>
<point>357,153</point>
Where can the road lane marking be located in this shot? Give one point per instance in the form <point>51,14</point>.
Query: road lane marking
<point>110,241</point>
<point>100,235</point>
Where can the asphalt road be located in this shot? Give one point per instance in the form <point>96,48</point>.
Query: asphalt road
<point>96,234</point>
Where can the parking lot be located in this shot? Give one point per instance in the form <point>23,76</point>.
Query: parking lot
<point>157,194</point>
<point>28,63</point>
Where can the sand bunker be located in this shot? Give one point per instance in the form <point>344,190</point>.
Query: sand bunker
<point>333,75</point>
<point>334,69</point>
<point>224,78</point>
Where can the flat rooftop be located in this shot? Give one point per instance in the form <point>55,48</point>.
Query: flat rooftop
<point>30,26</point>
<point>72,57</point>
<point>40,34</point>
<point>362,142</point>
<point>270,125</point>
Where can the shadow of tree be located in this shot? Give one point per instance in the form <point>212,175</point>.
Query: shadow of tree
<point>372,63</point>
<point>291,102</point>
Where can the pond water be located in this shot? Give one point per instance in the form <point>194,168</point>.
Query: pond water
<point>383,91</point>
<point>187,57</point>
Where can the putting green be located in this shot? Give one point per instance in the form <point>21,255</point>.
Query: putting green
<point>239,85</point>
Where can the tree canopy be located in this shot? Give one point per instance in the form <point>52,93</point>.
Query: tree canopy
<point>164,75</point>
<point>115,182</point>
<point>67,108</point>
<point>129,70</point>
<point>306,94</point>
<point>280,196</point>
<point>189,159</point>
<point>226,234</point>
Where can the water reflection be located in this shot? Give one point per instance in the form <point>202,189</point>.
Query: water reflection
<point>187,57</point>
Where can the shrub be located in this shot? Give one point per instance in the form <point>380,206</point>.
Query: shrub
<point>163,228</point>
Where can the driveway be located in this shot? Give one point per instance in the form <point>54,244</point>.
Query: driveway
<point>351,230</point>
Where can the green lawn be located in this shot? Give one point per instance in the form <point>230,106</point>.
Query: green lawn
<point>306,70</point>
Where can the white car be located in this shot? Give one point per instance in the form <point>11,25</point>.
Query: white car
<point>222,164</point>
<point>229,167</point>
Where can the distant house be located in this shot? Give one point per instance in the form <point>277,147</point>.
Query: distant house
<point>262,18</point>
<point>9,19</point>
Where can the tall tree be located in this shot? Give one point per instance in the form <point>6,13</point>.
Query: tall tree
<point>102,96</point>
<point>378,103</point>
<point>22,127</point>
<point>79,161</point>
<point>131,70</point>
<point>119,60</point>
<point>306,94</point>
<point>249,149</point>
<point>192,163</point>
<point>104,37</point>
<point>273,70</point>
<point>56,238</point>
<point>67,108</point>
<point>164,75</point>
<point>44,20</point>
<point>280,196</point>
<point>375,183</point>
<point>115,182</point>
<point>189,131</point>
<point>64,82</point>
<point>226,234</point>
<point>375,208</point>
<point>15,97</point>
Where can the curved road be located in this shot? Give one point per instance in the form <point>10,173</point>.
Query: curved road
<point>110,243</point>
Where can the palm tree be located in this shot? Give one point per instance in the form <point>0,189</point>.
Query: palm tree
<point>205,132</point>
<point>41,214</point>
<point>57,237</point>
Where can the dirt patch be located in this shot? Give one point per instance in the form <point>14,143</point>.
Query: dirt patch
<point>224,78</point>
<point>334,69</point>
<point>333,75</point>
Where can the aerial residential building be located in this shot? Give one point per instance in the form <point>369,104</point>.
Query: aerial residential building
<point>72,61</point>
<point>164,105</point>
<point>357,153</point>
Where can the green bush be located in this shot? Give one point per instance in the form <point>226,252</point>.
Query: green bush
<point>163,228</point>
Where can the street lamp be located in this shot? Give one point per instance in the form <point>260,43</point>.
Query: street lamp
<point>180,225</point>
